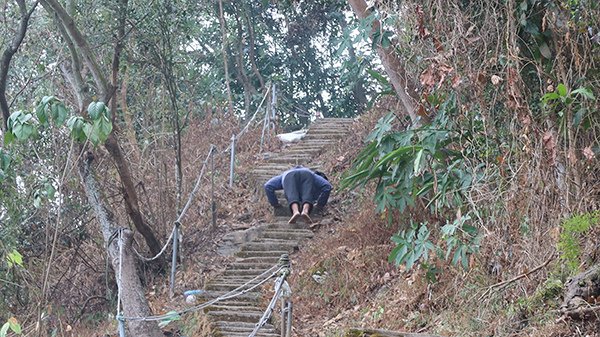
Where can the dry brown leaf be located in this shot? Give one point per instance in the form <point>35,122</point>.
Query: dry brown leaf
<point>496,79</point>
<point>550,145</point>
<point>588,153</point>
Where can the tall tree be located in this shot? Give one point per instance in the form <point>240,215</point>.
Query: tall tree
<point>80,49</point>
<point>401,81</point>
<point>10,51</point>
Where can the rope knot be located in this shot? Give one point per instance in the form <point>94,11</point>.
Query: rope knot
<point>284,260</point>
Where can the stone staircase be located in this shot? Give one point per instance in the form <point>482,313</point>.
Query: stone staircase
<point>258,249</point>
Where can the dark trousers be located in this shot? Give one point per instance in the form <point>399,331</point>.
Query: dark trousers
<point>298,188</point>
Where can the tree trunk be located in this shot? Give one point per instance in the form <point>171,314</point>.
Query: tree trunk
<point>399,78</point>
<point>130,287</point>
<point>9,52</point>
<point>252,52</point>
<point>358,89</point>
<point>362,332</point>
<point>223,52</point>
<point>581,292</point>
<point>81,43</point>
<point>130,195</point>
<point>77,44</point>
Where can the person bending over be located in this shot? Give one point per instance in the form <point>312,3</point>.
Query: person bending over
<point>302,188</point>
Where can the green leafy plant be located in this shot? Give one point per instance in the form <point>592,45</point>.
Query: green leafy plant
<point>22,126</point>
<point>461,240</point>
<point>411,164</point>
<point>51,107</point>
<point>11,324</point>
<point>171,316</point>
<point>5,161</point>
<point>561,100</point>
<point>412,245</point>
<point>14,258</point>
<point>568,243</point>
<point>420,164</point>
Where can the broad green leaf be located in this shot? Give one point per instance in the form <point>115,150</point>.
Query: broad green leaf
<point>170,317</point>
<point>37,199</point>
<point>417,165</point>
<point>54,111</point>
<point>561,90</point>
<point>4,329</point>
<point>96,110</point>
<point>523,6</point>
<point>585,92</point>
<point>104,128</point>
<point>549,97</point>
<point>14,258</point>
<point>545,51</point>
<point>5,160</point>
<point>14,325</point>
<point>40,112</point>
<point>91,132</point>
<point>14,117</point>
<point>61,113</point>
<point>384,125</point>
<point>378,76</point>
<point>49,190</point>
<point>579,115</point>
<point>9,137</point>
<point>76,125</point>
<point>46,100</point>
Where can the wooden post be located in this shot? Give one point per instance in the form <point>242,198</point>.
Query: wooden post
<point>288,330</point>
<point>283,315</point>
<point>212,187</point>
<point>232,161</point>
<point>174,259</point>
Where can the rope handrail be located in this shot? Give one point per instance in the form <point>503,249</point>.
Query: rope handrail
<point>196,186</point>
<point>228,295</point>
<point>182,213</point>
<point>164,248</point>
<point>269,311</point>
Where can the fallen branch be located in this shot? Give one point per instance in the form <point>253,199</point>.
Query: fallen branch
<point>582,312</point>
<point>363,332</point>
<point>503,284</point>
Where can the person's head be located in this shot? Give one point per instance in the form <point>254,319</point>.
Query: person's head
<point>321,174</point>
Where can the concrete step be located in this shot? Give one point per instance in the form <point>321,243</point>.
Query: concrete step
<point>228,286</point>
<point>261,253</point>
<point>272,260</point>
<point>239,303</point>
<point>212,294</point>
<point>243,272</point>
<point>250,265</point>
<point>269,246</point>
<point>235,280</point>
<point>242,326</point>
<point>244,308</point>
<point>243,334</point>
<point>297,234</point>
<point>246,330</point>
<point>291,161</point>
<point>236,316</point>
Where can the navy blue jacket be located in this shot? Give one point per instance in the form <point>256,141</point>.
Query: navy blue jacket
<point>321,187</point>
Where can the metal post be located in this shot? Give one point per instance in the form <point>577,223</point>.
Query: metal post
<point>174,259</point>
<point>283,317</point>
<point>266,124</point>
<point>288,332</point>
<point>232,162</point>
<point>212,187</point>
<point>121,326</point>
